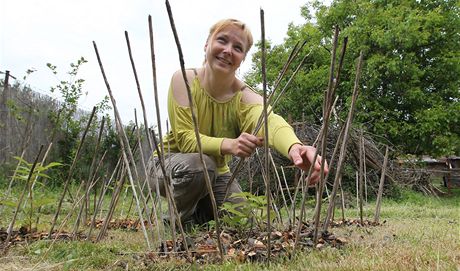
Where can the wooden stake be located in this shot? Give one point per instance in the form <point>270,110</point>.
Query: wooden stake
<point>380,193</point>
<point>343,148</point>
<point>361,173</point>
<point>281,188</point>
<point>104,188</point>
<point>85,204</point>
<point>26,186</point>
<point>327,108</point>
<point>287,187</point>
<point>157,107</point>
<point>364,169</point>
<point>197,133</point>
<point>260,120</point>
<point>342,198</point>
<point>69,175</point>
<point>266,160</point>
<point>124,146</point>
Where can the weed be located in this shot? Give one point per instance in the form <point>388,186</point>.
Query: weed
<point>251,209</point>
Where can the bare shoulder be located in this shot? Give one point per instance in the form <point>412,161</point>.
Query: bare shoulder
<point>250,96</point>
<point>178,86</point>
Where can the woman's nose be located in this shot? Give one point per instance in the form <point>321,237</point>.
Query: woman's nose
<point>228,49</point>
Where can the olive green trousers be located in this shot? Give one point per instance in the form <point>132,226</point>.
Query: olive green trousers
<point>190,192</point>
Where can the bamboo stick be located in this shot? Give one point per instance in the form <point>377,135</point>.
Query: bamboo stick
<point>197,135</point>
<point>82,213</point>
<point>172,208</point>
<point>66,218</point>
<point>26,186</point>
<point>160,154</point>
<point>155,87</point>
<point>342,199</point>
<point>250,178</point>
<point>24,146</point>
<point>99,165</point>
<point>280,188</point>
<point>260,122</point>
<point>264,174</point>
<point>146,174</point>
<point>380,192</point>
<point>113,202</point>
<point>327,107</point>
<point>124,145</point>
<point>289,194</point>
<point>332,196</point>
<point>361,173</point>
<point>295,51</point>
<point>92,170</point>
<point>357,190</point>
<point>304,183</point>
<point>304,200</point>
<point>144,199</point>
<point>293,54</point>
<point>343,149</point>
<point>101,197</point>
<point>266,160</point>
<point>34,181</point>
<point>69,176</point>
<point>364,168</point>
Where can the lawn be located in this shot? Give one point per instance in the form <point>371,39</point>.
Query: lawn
<point>417,232</point>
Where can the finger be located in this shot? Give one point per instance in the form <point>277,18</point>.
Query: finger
<point>246,149</point>
<point>315,175</point>
<point>297,160</point>
<point>326,167</point>
<point>317,164</point>
<point>243,153</point>
<point>314,179</point>
<point>258,141</point>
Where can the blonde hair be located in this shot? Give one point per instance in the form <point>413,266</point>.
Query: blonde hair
<point>220,25</point>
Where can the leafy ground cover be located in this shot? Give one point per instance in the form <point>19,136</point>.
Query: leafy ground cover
<point>417,232</point>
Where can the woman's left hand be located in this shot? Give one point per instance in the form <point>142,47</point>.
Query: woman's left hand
<point>303,156</point>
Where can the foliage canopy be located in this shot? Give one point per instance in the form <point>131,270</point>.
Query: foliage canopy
<point>410,85</point>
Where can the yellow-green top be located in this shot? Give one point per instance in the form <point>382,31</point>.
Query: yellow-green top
<point>218,120</point>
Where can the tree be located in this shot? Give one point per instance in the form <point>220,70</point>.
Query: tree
<point>410,82</point>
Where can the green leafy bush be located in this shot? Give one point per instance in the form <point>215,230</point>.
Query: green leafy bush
<point>251,210</point>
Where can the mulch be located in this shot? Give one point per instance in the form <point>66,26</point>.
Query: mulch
<point>242,246</point>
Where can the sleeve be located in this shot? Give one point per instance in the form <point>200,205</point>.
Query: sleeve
<point>183,130</point>
<point>281,135</point>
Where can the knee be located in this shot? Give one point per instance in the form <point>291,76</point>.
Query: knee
<point>191,163</point>
<point>190,169</point>
<point>195,164</point>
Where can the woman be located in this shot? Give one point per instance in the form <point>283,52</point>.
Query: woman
<point>227,112</point>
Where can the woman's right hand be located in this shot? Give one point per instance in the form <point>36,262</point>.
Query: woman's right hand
<point>242,146</point>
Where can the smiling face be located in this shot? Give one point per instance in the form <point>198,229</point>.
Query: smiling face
<point>226,49</point>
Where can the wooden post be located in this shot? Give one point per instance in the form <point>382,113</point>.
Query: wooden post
<point>266,151</point>
<point>342,198</point>
<point>343,148</point>
<point>361,173</point>
<point>379,195</point>
<point>4,118</point>
<point>198,138</point>
<point>26,186</point>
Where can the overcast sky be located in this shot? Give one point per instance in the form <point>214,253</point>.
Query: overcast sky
<point>34,32</point>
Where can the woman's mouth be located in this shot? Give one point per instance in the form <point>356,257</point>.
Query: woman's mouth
<point>223,60</point>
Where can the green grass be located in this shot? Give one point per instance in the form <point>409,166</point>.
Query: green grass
<point>419,233</point>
